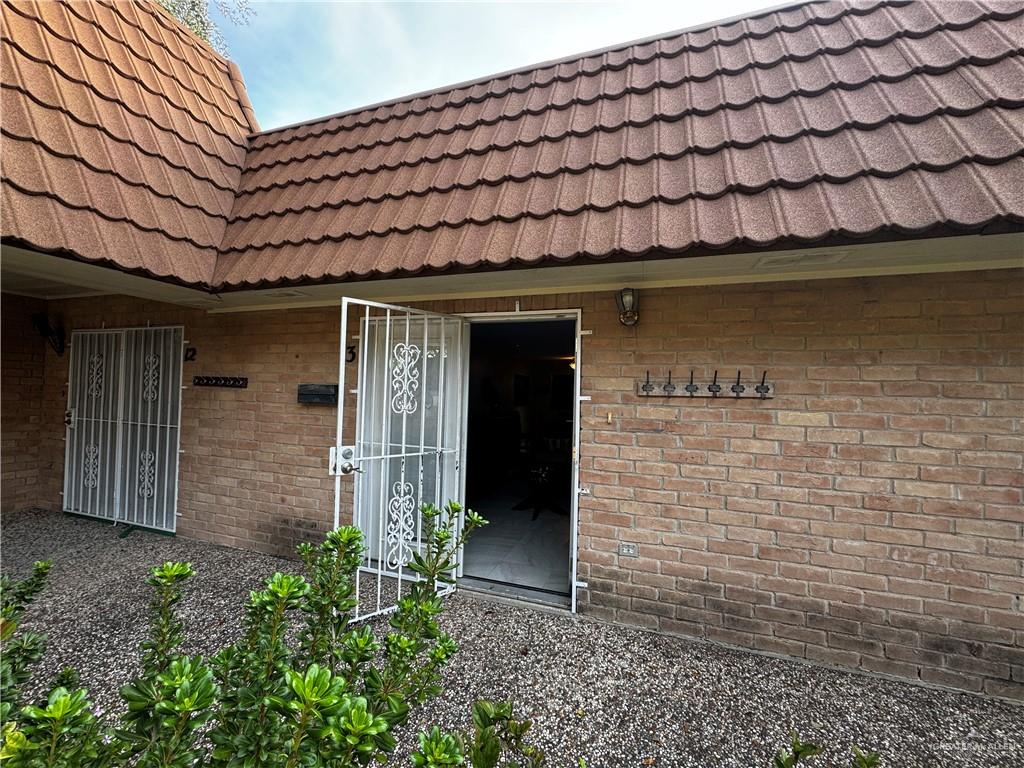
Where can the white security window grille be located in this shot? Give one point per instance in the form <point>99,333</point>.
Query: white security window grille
<point>398,436</point>
<point>123,424</point>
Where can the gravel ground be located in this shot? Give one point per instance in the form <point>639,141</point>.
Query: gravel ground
<point>617,696</point>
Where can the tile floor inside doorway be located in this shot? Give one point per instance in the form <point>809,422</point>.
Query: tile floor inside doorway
<point>517,550</point>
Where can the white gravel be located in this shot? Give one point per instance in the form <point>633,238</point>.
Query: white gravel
<point>617,696</point>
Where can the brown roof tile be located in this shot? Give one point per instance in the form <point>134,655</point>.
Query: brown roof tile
<point>827,119</point>
<point>965,197</point>
<point>850,119</point>
<point>123,139</point>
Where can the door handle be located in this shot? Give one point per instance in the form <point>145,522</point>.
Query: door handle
<point>341,461</point>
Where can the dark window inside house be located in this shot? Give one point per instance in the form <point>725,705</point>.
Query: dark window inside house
<point>519,456</point>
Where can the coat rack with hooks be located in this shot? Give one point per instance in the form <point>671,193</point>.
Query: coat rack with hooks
<point>713,390</point>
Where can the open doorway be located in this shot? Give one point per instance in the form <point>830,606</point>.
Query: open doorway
<point>519,460</point>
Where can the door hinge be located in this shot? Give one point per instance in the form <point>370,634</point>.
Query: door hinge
<point>583,491</point>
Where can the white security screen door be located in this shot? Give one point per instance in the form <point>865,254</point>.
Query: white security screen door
<point>123,423</point>
<point>398,439</point>
<point>94,401</point>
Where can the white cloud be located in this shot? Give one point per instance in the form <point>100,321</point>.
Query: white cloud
<point>302,60</point>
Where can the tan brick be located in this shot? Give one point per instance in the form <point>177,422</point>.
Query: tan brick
<point>803,419</point>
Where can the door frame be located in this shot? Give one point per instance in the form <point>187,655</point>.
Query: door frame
<point>116,513</point>
<point>576,315</point>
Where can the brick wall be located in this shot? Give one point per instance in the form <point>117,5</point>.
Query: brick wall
<point>869,516</point>
<point>21,387</point>
<point>253,470</point>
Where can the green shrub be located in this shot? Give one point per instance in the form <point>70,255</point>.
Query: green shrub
<point>800,751</point>
<point>332,698</point>
<point>497,738</point>
<point>18,651</point>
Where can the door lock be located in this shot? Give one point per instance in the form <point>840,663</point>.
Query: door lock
<point>341,460</point>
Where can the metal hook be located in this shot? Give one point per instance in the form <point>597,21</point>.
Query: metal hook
<point>737,388</point>
<point>714,387</point>
<point>669,387</point>
<point>691,387</point>
<point>762,388</point>
<point>647,387</point>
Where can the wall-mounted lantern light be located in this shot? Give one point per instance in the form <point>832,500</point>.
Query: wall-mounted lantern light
<point>628,301</point>
<point>55,336</point>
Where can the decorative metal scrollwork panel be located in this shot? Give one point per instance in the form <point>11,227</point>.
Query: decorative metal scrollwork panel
<point>91,467</point>
<point>401,524</point>
<point>151,378</point>
<point>94,380</point>
<point>405,378</point>
<point>147,474</point>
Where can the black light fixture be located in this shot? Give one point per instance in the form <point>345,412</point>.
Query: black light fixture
<point>55,336</point>
<point>628,302</point>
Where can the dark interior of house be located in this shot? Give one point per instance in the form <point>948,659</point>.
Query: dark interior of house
<point>519,453</point>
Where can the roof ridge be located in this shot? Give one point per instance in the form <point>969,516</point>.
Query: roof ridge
<point>238,83</point>
<point>984,15</point>
<point>578,56</point>
<point>526,112</point>
<point>232,69</point>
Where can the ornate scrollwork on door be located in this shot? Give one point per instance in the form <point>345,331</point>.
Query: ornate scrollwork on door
<point>401,523</point>
<point>405,378</point>
<point>147,474</point>
<point>94,377</point>
<point>150,377</point>
<point>91,467</point>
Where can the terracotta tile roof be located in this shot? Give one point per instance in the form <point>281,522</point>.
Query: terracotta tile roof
<point>793,126</point>
<point>821,121</point>
<point>124,137</point>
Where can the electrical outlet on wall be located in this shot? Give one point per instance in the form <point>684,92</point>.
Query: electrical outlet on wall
<point>628,549</point>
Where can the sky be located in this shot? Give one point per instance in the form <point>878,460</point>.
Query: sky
<point>303,60</point>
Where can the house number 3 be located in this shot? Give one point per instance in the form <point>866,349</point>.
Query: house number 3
<point>350,354</point>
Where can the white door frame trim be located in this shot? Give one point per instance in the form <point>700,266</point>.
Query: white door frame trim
<point>576,314</point>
